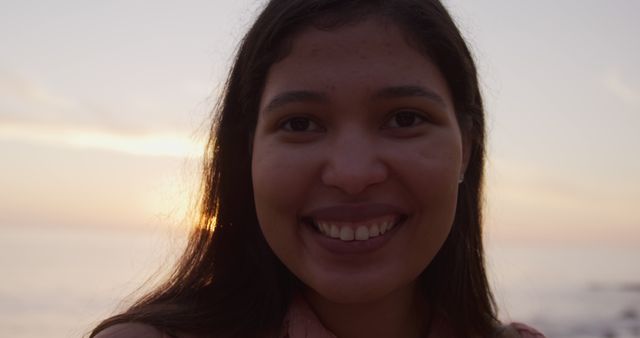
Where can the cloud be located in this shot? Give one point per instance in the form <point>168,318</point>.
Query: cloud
<point>26,100</point>
<point>614,82</point>
<point>147,144</point>
<point>34,113</point>
<point>136,108</point>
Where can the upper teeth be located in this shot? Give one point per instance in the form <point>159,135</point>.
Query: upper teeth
<point>348,231</point>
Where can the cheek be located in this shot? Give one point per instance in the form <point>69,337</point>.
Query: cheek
<point>281,181</point>
<point>433,185</point>
<point>430,174</point>
<point>429,169</point>
<point>280,176</point>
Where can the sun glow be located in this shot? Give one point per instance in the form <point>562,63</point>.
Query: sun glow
<point>146,144</point>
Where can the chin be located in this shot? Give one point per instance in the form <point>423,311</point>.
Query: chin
<point>350,289</point>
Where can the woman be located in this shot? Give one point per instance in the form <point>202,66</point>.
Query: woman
<point>342,186</point>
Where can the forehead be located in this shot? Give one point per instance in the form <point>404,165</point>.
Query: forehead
<point>364,55</point>
<point>373,36</point>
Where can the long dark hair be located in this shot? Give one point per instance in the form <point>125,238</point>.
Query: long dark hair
<point>229,283</point>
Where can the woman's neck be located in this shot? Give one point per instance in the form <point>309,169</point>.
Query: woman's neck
<point>396,315</point>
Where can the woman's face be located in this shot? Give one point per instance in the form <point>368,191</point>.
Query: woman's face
<point>356,160</point>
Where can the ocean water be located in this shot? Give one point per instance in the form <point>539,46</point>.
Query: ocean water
<point>570,291</point>
<point>59,282</point>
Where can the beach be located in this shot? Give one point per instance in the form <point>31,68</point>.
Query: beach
<point>61,281</point>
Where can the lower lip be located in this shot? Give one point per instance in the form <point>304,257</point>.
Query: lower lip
<point>338,246</point>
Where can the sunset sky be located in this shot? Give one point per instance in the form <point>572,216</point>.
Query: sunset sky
<point>104,108</point>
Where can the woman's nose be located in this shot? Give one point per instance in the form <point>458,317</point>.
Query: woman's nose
<point>353,164</point>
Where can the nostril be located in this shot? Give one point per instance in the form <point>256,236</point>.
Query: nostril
<point>353,178</point>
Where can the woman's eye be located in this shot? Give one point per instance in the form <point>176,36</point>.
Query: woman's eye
<point>405,119</point>
<point>300,124</point>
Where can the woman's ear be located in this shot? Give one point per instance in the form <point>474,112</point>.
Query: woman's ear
<point>466,130</point>
<point>250,145</point>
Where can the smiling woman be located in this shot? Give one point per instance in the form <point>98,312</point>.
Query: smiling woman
<point>355,156</point>
<point>342,186</point>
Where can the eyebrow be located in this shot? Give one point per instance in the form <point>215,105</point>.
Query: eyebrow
<point>409,91</point>
<point>297,96</point>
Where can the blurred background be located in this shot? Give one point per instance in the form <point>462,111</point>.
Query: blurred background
<point>104,108</point>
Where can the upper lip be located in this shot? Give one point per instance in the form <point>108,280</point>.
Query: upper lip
<point>353,212</point>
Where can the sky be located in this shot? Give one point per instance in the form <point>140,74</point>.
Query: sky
<point>104,108</point>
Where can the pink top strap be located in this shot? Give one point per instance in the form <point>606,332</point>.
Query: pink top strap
<point>302,322</point>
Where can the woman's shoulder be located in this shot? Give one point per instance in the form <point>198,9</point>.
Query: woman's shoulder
<point>518,330</point>
<point>137,330</point>
<point>131,330</point>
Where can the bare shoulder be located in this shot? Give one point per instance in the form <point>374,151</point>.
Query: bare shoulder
<point>519,330</point>
<point>131,330</point>
<point>527,331</point>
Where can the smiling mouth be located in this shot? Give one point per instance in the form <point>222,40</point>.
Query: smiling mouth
<point>356,231</point>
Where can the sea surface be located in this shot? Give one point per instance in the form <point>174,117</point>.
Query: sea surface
<point>59,282</point>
